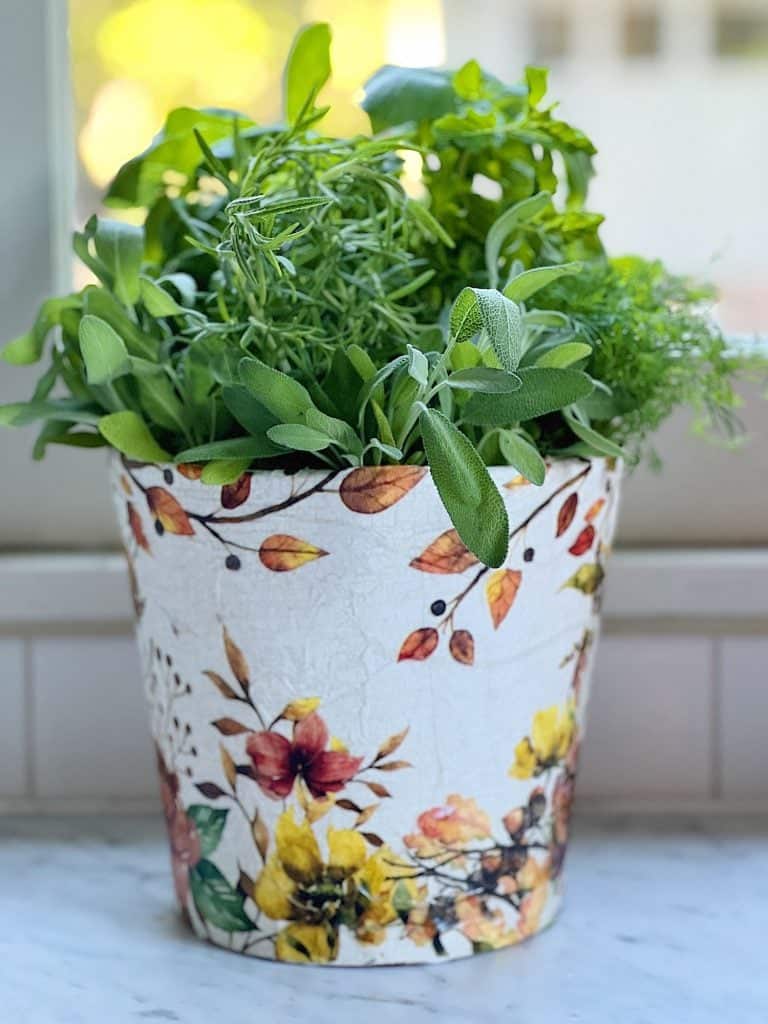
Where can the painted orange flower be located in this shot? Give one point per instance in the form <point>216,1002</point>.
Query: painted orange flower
<point>458,822</point>
<point>278,761</point>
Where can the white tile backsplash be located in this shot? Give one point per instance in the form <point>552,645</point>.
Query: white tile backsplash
<point>743,701</point>
<point>649,727</point>
<point>13,719</point>
<point>91,737</point>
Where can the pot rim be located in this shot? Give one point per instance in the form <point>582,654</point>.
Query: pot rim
<point>118,458</point>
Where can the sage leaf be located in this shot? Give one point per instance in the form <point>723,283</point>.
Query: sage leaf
<point>543,390</point>
<point>120,248</point>
<point>503,227</point>
<point>157,301</point>
<point>67,410</point>
<point>470,496</point>
<point>103,350</point>
<point>593,438</point>
<point>247,410</point>
<point>529,282</point>
<point>487,308</point>
<point>128,432</point>
<point>565,355</point>
<point>418,367</point>
<point>299,437</point>
<point>284,397</point>
<point>221,472</point>
<point>486,379</point>
<point>234,448</point>
<point>523,456</point>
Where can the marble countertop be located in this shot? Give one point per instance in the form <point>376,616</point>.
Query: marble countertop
<point>665,923</point>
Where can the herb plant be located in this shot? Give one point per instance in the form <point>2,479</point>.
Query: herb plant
<point>287,303</point>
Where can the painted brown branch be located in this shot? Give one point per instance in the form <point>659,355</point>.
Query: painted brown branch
<point>483,570</point>
<point>279,506</point>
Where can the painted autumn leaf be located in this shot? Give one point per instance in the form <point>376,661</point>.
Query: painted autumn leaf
<point>125,483</point>
<point>168,512</point>
<point>221,685</point>
<point>389,746</point>
<point>517,481</point>
<point>236,660</point>
<point>587,578</point>
<point>377,789</point>
<point>584,541</point>
<point>191,470</point>
<point>418,645</point>
<point>137,529</point>
<point>229,726</point>
<point>372,489</point>
<point>228,766</point>
<point>260,835</point>
<point>566,513</point>
<point>372,839</point>
<point>462,646</point>
<point>299,709</point>
<point>594,510</point>
<point>500,592</point>
<point>234,495</point>
<point>210,790</point>
<point>445,555</point>
<point>283,553</point>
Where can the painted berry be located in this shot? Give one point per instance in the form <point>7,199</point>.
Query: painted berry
<point>168,476</point>
<point>232,562</point>
<point>159,528</point>
<point>528,555</point>
<point>437,607</point>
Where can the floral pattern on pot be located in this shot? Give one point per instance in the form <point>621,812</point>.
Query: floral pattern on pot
<point>334,794</point>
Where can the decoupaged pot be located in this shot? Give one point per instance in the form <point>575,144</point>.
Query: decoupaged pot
<point>367,741</point>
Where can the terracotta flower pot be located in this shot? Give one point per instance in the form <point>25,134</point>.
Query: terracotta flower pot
<point>367,741</point>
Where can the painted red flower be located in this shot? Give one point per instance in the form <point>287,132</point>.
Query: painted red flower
<point>278,761</point>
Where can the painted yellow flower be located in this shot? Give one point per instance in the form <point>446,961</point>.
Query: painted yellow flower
<point>483,926</point>
<point>316,895</point>
<point>388,884</point>
<point>552,734</point>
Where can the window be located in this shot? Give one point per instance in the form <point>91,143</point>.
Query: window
<point>640,32</point>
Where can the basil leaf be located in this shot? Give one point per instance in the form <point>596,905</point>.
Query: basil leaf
<point>307,70</point>
<point>486,379</point>
<point>104,353</point>
<point>523,456</point>
<point>543,390</point>
<point>395,96</point>
<point>128,432</point>
<point>469,494</point>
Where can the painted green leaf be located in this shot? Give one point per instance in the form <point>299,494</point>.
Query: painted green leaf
<point>217,901</point>
<point>308,68</point>
<point>103,350</point>
<point>543,390</point>
<point>120,248</point>
<point>469,494</point>
<point>529,282</point>
<point>523,456</point>
<point>128,432</point>
<point>209,822</point>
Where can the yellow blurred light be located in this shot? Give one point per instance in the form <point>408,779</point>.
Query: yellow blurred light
<point>121,122</point>
<point>415,33</point>
<point>411,177</point>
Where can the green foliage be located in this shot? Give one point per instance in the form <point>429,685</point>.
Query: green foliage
<point>287,302</point>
